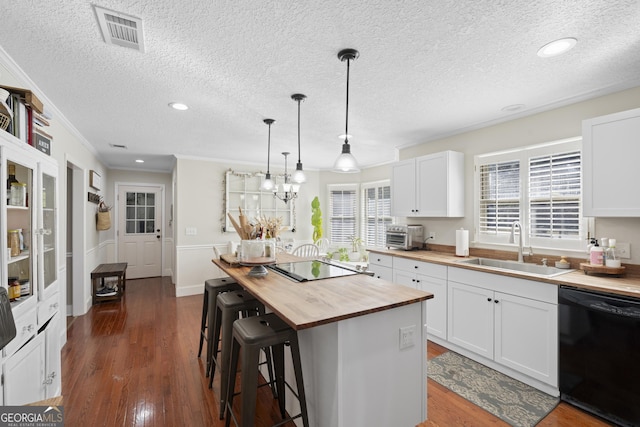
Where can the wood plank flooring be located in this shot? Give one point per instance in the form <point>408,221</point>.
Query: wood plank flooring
<point>134,363</point>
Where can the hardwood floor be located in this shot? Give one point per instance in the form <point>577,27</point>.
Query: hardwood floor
<point>134,363</point>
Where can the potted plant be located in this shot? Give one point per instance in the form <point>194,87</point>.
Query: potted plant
<point>356,246</point>
<point>316,219</point>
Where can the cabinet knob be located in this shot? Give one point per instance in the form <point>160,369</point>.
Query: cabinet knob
<point>415,266</point>
<point>496,301</point>
<point>489,299</point>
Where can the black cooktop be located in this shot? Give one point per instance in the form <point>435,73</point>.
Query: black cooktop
<point>303,271</point>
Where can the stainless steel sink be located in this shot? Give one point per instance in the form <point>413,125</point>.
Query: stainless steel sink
<point>520,267</point>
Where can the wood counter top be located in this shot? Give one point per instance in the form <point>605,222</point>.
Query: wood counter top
<point>307,304</point>
<point>626,285</point>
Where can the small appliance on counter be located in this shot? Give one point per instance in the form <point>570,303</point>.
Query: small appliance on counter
<point>405,237</point>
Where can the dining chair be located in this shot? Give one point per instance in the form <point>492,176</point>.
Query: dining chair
<point>306,250</point>
<point>322,244</point>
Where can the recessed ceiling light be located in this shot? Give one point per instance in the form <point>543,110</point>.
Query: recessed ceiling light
<point>139,161</point>
<point>557,47</point>
<point>513,107</point>
<point>178,106</point>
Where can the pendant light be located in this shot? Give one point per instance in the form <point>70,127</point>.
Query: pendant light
<point>346,163</point>
<point>289,190</point>
<point>298,176</point>
<point>267,184</point>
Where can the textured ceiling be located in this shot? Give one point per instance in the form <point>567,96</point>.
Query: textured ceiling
<point>427,69</point>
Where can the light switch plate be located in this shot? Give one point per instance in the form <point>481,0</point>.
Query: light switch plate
<point>623,250</point>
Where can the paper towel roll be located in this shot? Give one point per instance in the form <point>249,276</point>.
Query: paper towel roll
<point>462,242</point>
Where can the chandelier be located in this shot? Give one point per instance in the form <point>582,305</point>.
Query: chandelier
<point>289,190</point>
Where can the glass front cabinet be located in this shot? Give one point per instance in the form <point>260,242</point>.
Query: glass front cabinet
<point>29,261</point>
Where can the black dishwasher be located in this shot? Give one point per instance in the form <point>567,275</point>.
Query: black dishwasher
<point>599,344</point>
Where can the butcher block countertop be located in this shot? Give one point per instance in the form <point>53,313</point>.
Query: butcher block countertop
<point>628,285</point>
<point>307,304</point>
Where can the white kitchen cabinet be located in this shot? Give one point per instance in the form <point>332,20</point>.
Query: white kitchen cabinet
<point>431,278</point>
<point>471,316</point>
<point>511,321</point>
<point>52,378</point>
<point>24,372</point>
<point>428,186</point>
<point>381,265</point>
<point>35,264</point>
<point>609,163</point>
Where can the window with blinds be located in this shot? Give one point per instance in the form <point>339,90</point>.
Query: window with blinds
<point>343,208</point>
<point>539,186</point>
<point>499,196</point>
<point>376,212</point>
<point>554,195</point>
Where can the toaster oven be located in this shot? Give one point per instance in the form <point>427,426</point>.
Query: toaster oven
<point>405,237</point>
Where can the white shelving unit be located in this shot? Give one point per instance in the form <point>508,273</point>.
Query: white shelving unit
<point>31,368</point>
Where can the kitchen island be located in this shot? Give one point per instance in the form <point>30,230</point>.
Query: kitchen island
<point>357,369</point>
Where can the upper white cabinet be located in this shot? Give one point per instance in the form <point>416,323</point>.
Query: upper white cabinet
<point>428,186</point>
<point>610,154</point>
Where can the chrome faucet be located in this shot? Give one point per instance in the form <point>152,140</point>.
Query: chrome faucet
<point>512,239</point>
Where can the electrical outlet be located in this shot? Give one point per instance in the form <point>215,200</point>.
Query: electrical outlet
<point>623,250</point>
<point>432,234</point>
<point>407,336</point>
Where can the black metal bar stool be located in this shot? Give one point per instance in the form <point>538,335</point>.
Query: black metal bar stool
<point>250,335</point>
<point>229,307</point>
<point>212,288</point>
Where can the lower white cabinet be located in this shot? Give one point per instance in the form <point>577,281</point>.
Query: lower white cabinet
<point>33,372</point>
<point>53,364</point>
<point>431,278</point>
<point>511,321</point>
<point>381,265</point>
<point>24,372</point>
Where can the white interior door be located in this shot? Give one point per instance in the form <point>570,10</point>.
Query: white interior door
<point>139,230</point>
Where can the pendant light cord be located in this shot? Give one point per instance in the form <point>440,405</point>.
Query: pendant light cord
<point>269,148</point>
<point>346,123</point>
<point>299,130</point>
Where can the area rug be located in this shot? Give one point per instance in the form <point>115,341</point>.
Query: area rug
<point>510,400</point>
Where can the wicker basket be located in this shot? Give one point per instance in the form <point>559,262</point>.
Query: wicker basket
<point>103,221</point>
<point>4,121</point>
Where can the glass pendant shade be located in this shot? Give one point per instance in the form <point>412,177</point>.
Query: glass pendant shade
<point>346,163</point>
<point>298,176</point>
<point>267,184</point>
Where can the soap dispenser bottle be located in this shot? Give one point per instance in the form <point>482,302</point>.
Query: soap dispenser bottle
<point>596,254</point>
<point>612,257</point>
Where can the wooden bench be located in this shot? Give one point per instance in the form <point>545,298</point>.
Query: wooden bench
<point>118,270</point>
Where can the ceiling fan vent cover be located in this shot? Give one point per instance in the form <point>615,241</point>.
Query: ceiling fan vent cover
<point>120,29</point>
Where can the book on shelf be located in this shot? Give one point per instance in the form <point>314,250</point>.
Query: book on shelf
<point>28,97</point>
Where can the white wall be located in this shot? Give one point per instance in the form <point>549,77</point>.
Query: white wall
<point>199,200</point>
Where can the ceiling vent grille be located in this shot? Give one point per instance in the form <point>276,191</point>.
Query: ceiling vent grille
<point>120,29</point>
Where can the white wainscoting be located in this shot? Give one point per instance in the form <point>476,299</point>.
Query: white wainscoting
<point>194,266</point>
